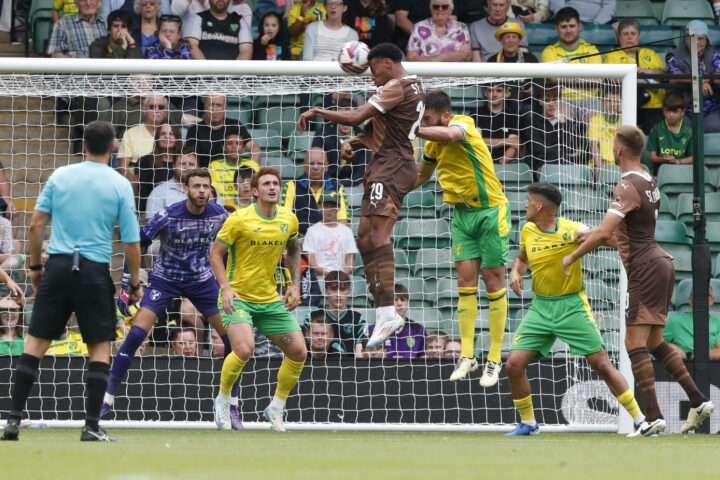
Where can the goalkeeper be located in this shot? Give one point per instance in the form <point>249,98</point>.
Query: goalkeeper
<point>480,224</point>
<point>560,308</point>
<point>255,238</point>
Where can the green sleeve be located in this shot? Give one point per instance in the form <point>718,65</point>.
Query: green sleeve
<point>652,141</point>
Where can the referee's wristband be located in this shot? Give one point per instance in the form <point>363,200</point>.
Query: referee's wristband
<point>35,268</point>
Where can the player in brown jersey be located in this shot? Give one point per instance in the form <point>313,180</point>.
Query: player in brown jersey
<point>651,278</point>
<point>395,110</point>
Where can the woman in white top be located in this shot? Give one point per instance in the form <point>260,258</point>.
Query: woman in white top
<point>324,39</point>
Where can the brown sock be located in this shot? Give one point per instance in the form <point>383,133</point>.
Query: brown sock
<point>672,362</point>
<point>368,259</point>
<point>642,368</point>
<point>385,264</point>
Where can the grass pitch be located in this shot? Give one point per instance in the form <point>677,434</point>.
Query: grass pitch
<point>57,454</point>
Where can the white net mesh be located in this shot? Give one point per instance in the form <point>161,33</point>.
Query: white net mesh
<point>39,115</point>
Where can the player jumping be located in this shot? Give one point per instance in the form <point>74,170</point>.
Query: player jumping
<point>395,111</point>
<point>254,239</point>
<point>651,279</point>
<point>480,224</point>
<point>560,308</point>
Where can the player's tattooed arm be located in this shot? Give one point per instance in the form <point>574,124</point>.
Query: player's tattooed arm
<point>292,295</point>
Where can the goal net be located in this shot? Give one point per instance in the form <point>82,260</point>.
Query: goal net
<point>556,125</point>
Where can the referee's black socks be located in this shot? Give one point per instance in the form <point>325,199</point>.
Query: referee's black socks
<point>25,374</point>
<point>96,384</point>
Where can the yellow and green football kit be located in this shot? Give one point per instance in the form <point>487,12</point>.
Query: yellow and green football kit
<point>556,51</point>
<point>222,174</point>
<point>645,58</point>
<point>602,132</point>
<point>560,308</point>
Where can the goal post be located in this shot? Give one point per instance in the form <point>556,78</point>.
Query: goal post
<point>345,393</point>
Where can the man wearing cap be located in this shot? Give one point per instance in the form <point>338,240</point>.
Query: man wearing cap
<point>678,63</point>
<point>330,245</point>
<point>482,33</point>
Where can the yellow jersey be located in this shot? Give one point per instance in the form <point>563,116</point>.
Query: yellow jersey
<point>315,13</point>
<point>72,344</point>
<point>647,59</point>
<point>256,245</point>
<point>465,168</point>
<point>545,251</point>
<point>602,131</point>
<point>222,174</point>
<point>556,51</point>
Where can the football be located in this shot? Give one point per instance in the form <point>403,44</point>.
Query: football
<point>353,57</point>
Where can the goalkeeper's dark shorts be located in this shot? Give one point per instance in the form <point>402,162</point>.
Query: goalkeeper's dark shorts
<point>89,292</point>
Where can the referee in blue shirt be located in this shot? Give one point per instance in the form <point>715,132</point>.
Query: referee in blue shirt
<point>82,202</point>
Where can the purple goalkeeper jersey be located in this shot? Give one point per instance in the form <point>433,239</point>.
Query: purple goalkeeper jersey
<point>185,241</point>
<point>409,343</point>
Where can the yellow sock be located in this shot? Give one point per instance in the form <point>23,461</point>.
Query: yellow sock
<point>232,367</point>
<point>288,376</point>
<point>498,306</point>
<point>525,408</point>
<point>467,313</point>
<point>627,400</point>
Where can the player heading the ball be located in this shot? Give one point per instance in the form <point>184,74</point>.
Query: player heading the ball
<point>254,238</point>
<point>395,111</point>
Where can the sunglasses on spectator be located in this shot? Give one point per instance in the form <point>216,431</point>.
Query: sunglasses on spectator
<point>170,18</point>
<point>334,4</point>
<point>441,7</point>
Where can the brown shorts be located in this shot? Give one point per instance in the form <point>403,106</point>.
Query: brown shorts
<point>650,288</point>
<point>386,182</point>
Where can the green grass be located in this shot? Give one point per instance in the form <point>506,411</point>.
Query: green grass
<point>203,454</point>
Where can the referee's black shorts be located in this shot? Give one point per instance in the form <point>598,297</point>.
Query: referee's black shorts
<point>89,293</point>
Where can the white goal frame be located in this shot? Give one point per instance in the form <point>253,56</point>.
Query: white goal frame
<point>625,74</point>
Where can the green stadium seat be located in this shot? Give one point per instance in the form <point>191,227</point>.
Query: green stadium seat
<point>301,312</point>
<point>681,294</point>
<point>716,272</point>
<point>280,118</point>
<point>239,109</point>
<point>599,295</point>
<point>286,166</point>
<point>514,176</point>
<point>41,22</point>
<point>264,101</point>
<point>434,262</point>
<point>685,206</point>
<point>713,236</point>
<point>516,201</point>
<point>403,269</point>
<point>584,199</point>
<point>298,144</point>
<point>515,231</point>
<point>430,318</point>
<point>604,264</point>
<point>640,10</point>
<point>711,144</point>
<point>674,179</point>
<point>607,177</point>
<point>671,231</point>
<point>465,94</point>
<point>354,196</point>
<point>360,295</point>
<point>446,293</point>
<point>714,34</point>
<point>428,233</point>
<point>416,287</point>
<point>602,36</point>
<point>566,174</point>
<point>667,208</point>
<point>681,259</point>
<point>680,12</point>
<point>268,140</point>
<point>419,203</point>
<point>712,207</point>
<point>541,34</point>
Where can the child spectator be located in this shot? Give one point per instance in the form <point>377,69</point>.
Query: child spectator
<point>11,327</point>
<point>272,43</point>
<point>498,121</point>
<point>453,349</point>
<point>670,140</point>
<point>601,132</point>
<point>222,171</point>
<point>170,45</point>
<point>118,43</point>
<point>330,245</point>
<point>302,14</point>
<point>409,342</point>
<point>435,343</point>
<point>349,324</point>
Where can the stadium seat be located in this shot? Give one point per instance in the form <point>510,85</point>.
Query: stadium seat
<point>716,272</point>
<point>604,264</point>
<point>354,196</point>
<point>280,118</point>
<point>419,203</point>
<point>516,201</point>
<point>403,269</point>
<point>681,294</point>
<point>681,259</point>
<point>286,166</point>
<point>527,294</point>
<point>301,312</point>
<point>430,318</point>
<point>713,236</point>
<point>640,10</point>
<point>239,109</point>
<point>685,206</point>
<point>514,176</point>
<point>360,295</point>
<point>434,262</point>
<point>40,21</point>
<point>268,140</point>
<point>680,12</point>
<point>584,199</point>
<point>298,144</point>
<point>667,208</point>
<point>428,233</point>
<point>541,34</point>
<point>671,231</point>
<point>265,101</point>
<point>674,179</point>
<point>416,287</point>
<point>607,177</point>
<point>566,174</point>
<point>516,230</point>
<point>711,142</point>
<point>600,295</point>
<point>712,207</point>
<point>602,36</point>
<point>447,293</point>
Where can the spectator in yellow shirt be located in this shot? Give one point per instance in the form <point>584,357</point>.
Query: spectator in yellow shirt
<point>222,171</point>
<point>601,132</point>
<point>302,14</point>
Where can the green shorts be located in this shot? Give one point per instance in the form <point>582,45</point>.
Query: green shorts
<point>567,317</point>
<point>481,233</point>
<point>269,318</point>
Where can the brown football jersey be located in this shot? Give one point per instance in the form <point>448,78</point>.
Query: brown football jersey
<point>637,200</point>
<point>401,103</point>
